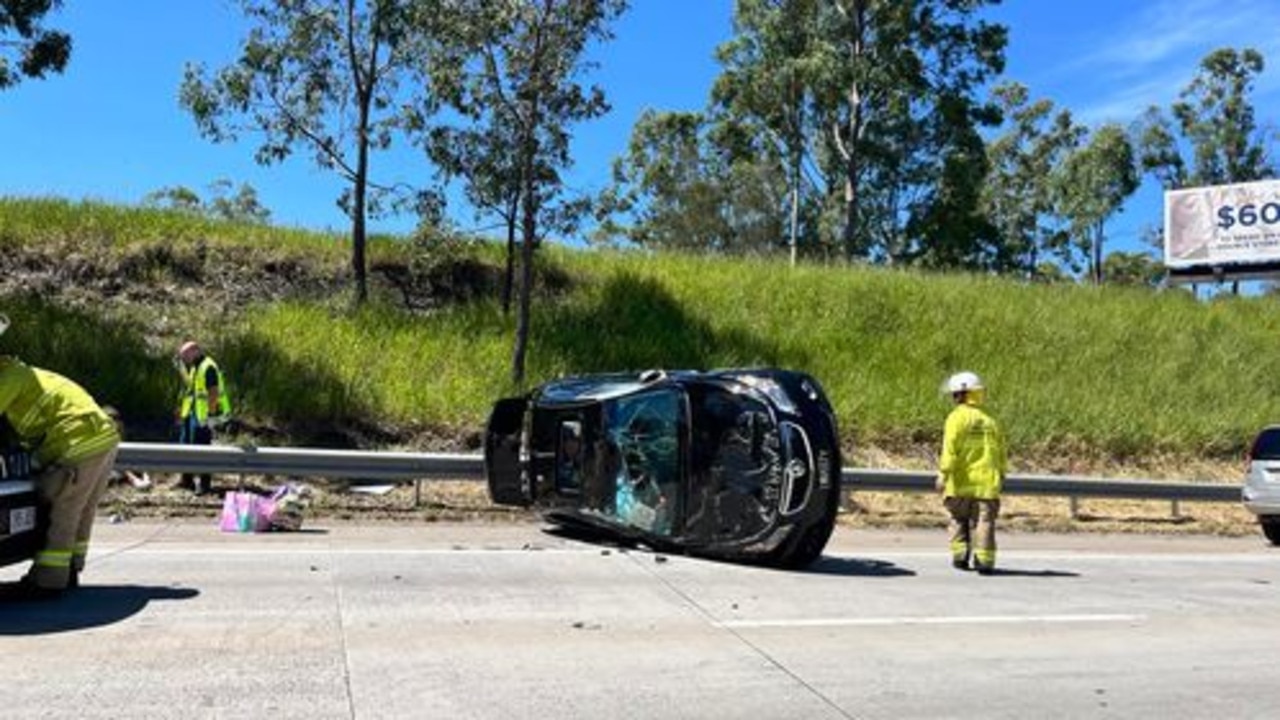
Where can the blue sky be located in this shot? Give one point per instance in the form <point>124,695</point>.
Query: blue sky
<point>110,128</point>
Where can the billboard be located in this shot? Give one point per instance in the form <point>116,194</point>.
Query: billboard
<point>1222,225</point>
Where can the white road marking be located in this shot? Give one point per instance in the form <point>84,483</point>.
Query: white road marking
<point>1010,558</point>
<point>1016,556</point>
<point>259,551</point>
<point>958,620</point>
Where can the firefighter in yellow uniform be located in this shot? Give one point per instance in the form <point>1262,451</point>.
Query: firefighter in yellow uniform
<point>74,445</point>
<point>971,472</point>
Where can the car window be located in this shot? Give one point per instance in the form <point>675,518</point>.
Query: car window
<point>1266,446</point>
<point>569,457</point>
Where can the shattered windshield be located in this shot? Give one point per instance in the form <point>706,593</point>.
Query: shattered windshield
<point>642,435</point>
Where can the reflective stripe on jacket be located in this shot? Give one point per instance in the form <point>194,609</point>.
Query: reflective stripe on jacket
<point>196,397</point>
<point>973,460</point>
<point>54,417</point>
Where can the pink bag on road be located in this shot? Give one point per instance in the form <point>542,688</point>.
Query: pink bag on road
<point>245,512</point>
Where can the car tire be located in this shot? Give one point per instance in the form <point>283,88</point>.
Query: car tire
<point>808,548</point>
<point>1271,528</point>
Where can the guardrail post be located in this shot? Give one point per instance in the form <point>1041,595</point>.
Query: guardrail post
<point>1175,510</point>
<point>1075,507</point>
<point>417,494</point>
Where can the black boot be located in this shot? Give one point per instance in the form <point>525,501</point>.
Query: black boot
<point>26,590</point>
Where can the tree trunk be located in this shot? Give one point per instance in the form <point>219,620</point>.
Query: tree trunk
<point>529,225</point>
<point>851,165</point>
<point>529,202</point>
<point>1097,254</point>
<point>795,217</point>
<point>360,183</point>
<point>358,192</point>
<point>509,273</point>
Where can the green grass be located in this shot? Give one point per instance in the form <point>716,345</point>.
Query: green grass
<point>1070,369</point>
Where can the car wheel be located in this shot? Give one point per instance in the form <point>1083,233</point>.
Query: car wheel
<point>1271,528</point>
<point>808,548</point>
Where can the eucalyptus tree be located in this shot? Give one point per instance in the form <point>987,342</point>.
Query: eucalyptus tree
<point>1018,196</point>
<point>226,202</point>
<point>516,75</point>
<point>237,203</point>
<point>326,76</point>
<point>27,48</point>
<point>1093,183</point>
<point>1210,135</point>
<point>897,96</point>
<point>771,68</point>
<point>668,186</point>
<point>690,182</point>
<point>870,110</point>
<point>1133,268</point>
<point>481,156</point>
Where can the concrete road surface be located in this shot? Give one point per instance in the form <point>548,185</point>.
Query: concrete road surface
<point>483,621</point>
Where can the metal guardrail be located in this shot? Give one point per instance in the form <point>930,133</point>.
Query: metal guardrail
<point>351,464</point>
<point>403,466</point>
<point>1052,485</point>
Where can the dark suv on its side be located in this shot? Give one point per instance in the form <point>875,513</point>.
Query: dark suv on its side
<point>734,464</point>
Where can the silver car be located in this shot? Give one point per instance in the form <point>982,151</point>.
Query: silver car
<point>1262,483</point>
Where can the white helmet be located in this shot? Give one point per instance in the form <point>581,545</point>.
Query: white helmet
<point>962,382</point>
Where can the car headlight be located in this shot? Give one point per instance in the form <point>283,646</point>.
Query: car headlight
<point>770,388</point>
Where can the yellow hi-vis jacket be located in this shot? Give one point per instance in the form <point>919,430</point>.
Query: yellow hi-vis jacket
<point>57,420</point>
<point>973,461</point>
<point>195,397</point>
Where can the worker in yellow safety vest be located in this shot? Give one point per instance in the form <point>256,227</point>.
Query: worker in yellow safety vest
<point>203,405</point>
<point>971,471</point>
<point>73,444</point>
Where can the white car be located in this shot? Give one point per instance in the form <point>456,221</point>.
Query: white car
<point>1261,493</point>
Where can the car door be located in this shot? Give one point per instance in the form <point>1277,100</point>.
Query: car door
<point>504,453</point>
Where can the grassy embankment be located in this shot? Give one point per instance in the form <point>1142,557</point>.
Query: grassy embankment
<point>1072,370</point>
<point>1081,377</point>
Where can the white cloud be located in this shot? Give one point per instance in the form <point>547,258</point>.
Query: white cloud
<point>1166,30</point>
<point>1155,53</point>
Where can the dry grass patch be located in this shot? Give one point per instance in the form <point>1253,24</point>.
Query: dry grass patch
<point>432,501</point>
<point>1045,514</point>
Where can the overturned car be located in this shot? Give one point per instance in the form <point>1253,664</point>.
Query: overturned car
<point>733,464</point>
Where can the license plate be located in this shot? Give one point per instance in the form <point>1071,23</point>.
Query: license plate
<point>22,520</point>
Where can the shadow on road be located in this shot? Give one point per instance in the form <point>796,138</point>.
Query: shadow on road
<point>857,567</point>
<point>590,536</point>
<point>825,565</point>
<point>87,607</point>
<point>1005,572</point>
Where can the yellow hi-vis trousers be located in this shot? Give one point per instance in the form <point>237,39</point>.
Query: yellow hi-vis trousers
<point>72,493</point>
<point>973,530</point>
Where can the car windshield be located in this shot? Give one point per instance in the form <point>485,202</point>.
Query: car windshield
<point>1266,446</point>
<point>642,434</point>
